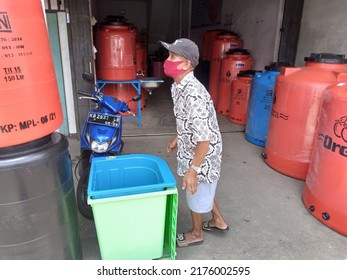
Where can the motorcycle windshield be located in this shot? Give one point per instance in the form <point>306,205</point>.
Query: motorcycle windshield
<point>114,106</point>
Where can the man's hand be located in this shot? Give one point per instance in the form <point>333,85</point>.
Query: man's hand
<point>190,181</point>
<point>172,146</point>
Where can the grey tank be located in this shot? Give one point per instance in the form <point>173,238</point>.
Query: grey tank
<point>38,212</point>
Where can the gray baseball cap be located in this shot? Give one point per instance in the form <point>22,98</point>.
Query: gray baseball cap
<point>184,47</point>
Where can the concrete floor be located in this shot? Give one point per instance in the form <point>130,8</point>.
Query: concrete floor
<point>264,208</point>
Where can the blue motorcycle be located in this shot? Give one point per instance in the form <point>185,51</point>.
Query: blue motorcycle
<point>101,136</point>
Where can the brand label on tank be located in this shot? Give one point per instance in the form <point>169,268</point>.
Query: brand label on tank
<point>5,25</point>
<point>276,114</point>
<point>239,95</point>
<point>279,115</point>
<point>340,132</point>
<point>227,78</point>
<point>239,64</point>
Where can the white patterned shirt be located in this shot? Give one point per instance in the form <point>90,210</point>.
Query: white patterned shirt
<point>196,121</point>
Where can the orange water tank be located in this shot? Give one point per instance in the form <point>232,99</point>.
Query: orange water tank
<point>140,54</point>
<point>158,69</point>
<point>116,52</point>
<point>325,190</point>
<point>298,96</point>
<point>141,70</point>
<point>141,60</point>
<point>207,41</point>
<point>30,105</point>
<point>236,60</point>
<point>224,41</point>
<point>240,90</point>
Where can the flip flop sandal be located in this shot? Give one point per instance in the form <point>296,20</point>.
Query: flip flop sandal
<point>206,227</point>
<point>183,242</point>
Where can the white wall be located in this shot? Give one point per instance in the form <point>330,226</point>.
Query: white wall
<point>323,28</point>
<point>257,24</point>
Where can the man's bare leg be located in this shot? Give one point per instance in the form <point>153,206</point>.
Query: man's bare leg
<point>217,218</point>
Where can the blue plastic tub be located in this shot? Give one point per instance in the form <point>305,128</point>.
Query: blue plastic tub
<point>127,175</point>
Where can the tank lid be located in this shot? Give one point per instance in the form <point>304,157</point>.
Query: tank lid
<point>247,73</point>
<point>238,51</point>
<point>227,33</point>
<point>276,66</point>
<point>116,21</point>
<point>327,58</point>
<point>214,30</point>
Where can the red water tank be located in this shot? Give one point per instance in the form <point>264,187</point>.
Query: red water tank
<point>298,96</point>
<point>236,60</point>
<point>207,41</point>
<point>325,190</point>
<point>240,90</point>
<point>224,42</point>
<point>116,52</point>
<point>30,105</point>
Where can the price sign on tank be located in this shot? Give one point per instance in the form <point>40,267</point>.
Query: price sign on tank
<point>12,48</point>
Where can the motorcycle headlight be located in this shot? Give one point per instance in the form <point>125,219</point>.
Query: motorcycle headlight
<point>99,147</point>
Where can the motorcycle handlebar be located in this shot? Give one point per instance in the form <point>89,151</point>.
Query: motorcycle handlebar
<point>131,113</point>
<point>89,97</point>
<point>81,92</point>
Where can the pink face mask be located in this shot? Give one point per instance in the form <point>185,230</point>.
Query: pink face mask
<point>170,68</point>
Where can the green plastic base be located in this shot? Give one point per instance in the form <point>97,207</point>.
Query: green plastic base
<point>137,227</point>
